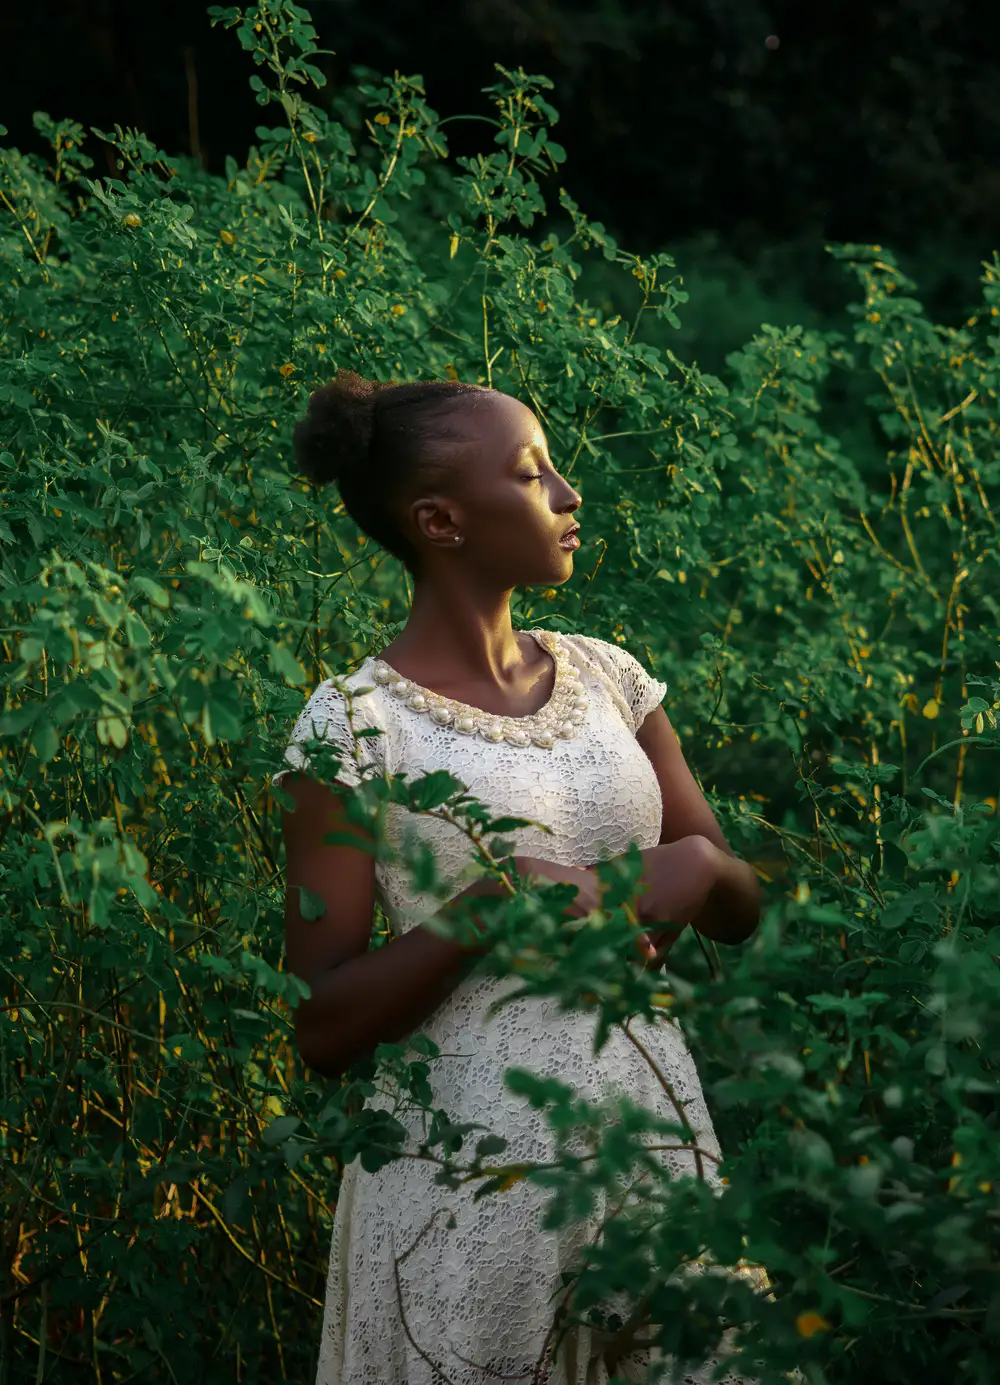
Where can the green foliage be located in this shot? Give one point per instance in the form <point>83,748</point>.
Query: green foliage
<point>171,594</point>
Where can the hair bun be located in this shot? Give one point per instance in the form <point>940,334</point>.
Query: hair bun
<point>334,438</point>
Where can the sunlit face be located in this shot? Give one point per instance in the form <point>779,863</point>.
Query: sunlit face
<point>504,496</point>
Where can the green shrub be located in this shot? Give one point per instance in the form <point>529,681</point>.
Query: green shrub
<point>171,594</point>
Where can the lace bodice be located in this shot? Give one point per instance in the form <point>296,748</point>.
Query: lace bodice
<point>594,788</point>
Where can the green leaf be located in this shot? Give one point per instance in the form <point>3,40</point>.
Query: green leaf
<point>280,1129</point>
<point>432,790</point>
<point>31,650</point>
<point>157,593</point>
<point>895,861</point>
<point>236,1201</point>
<point>44,740</point>
<point>936,1060</point>
<point>285,664</point>
<point>311,906</point>
<point>507,824</point>
<point>490,1144</point>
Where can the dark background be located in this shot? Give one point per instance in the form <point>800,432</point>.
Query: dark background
<point>749,132</point>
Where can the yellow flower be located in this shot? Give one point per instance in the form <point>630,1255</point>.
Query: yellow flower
<point>286,369</point>
<point>931,708</point>
<point>340,273</point>
<point>133,220</point>
<point>397,310</point>
<point>381,118</point>
<point>956,1162</point>
<point>808,1324</point>
<point>228,237</point>
<point>310,136</point>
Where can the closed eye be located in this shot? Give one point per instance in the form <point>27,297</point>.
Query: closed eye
<point>532,478</point>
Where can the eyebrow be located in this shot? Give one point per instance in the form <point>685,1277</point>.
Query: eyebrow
<point>532,449</point>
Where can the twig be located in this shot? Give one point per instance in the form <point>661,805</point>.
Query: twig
<point>672,1095</point>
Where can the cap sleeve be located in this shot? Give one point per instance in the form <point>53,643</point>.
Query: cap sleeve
<point>329,716</point>
<point>637,692</point>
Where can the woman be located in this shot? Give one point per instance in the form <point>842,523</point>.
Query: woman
<point>425,1285</point>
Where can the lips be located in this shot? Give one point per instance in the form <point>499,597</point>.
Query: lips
<point>570,539</point>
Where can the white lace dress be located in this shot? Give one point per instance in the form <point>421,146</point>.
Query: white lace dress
<point>478,1296</point>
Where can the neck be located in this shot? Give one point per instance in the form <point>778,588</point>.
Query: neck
<point>462,632</point>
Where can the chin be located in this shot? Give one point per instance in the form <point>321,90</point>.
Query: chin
<point>554,577</point>
<point>551,571</point>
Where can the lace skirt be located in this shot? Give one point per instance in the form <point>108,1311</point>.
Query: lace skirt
<point>427,1286</point>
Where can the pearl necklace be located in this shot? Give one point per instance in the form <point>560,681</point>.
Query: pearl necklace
<point>559,719</point>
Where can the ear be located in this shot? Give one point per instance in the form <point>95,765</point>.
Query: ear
<point>685,810</point>
<point>434,518</point>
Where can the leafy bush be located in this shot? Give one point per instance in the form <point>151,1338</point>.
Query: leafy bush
<point>171,594</point>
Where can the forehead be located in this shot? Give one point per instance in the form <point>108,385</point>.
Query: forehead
<point>502,427</point>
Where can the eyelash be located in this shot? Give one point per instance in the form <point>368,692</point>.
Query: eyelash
<point>532,478</point>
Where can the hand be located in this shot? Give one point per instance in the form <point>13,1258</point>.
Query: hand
<point>654,946</point>
<point>673,874</point>
<point>584,878</point>
<point>678,878</point>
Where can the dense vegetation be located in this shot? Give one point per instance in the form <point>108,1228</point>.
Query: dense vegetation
<point>806,549</point>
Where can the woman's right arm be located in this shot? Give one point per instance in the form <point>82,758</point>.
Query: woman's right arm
<point>362,998</point>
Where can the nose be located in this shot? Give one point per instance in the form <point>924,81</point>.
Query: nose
<point>572,500</point>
